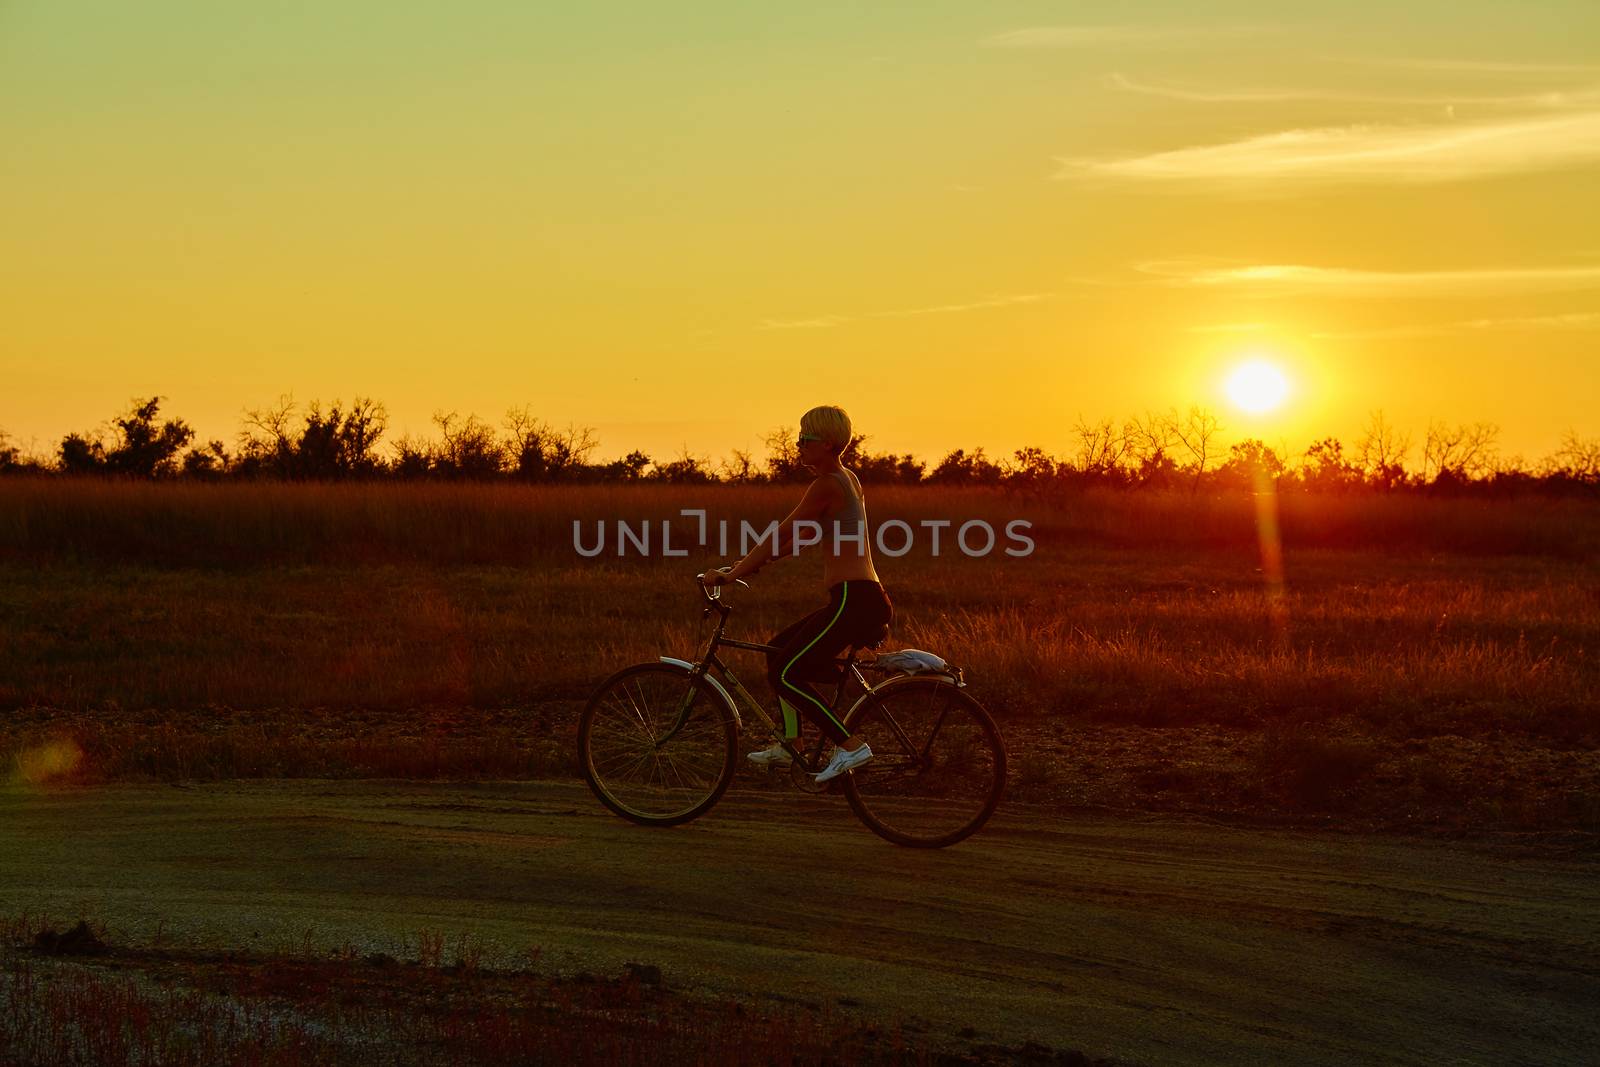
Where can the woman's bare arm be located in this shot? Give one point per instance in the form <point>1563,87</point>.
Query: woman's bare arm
<point>822,495</point>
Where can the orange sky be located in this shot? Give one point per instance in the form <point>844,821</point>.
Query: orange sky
<point>968,224</point>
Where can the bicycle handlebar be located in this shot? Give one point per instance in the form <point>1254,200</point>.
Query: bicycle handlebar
<point>714,594</point>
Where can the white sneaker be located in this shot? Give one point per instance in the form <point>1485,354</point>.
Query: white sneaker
<point>844,760</point>
<point>774,753</point>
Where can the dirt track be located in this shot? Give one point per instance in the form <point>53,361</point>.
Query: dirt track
<point>1161,941</point>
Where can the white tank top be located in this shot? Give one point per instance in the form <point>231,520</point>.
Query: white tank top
<point>852,518</point>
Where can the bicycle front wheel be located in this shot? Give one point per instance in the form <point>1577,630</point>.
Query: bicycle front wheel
<point>938,766</point>
<point>657,745</point>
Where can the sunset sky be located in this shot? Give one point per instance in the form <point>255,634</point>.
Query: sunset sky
<point>968,223</point>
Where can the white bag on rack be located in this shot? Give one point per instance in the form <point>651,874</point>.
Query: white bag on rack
<point>913,661</point>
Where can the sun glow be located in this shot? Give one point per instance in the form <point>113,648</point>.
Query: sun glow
<point>1257,387</point>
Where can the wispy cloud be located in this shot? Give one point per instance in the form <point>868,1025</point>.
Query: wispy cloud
<point>1554,99</point>
<point>990,302</point>
<point>822,323</point>
<point>1103,36</point>
<point>826,321</point>
<point>1470,66</point>
<point>1367,153</point>
<point>1576,321</point>
<point>1299,280</point>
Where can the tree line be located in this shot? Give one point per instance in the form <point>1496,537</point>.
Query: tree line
<point>1161,450</point>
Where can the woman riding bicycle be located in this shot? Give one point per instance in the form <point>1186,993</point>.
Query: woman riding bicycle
<point>858,611</point>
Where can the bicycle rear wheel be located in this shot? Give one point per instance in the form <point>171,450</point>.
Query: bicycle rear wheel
<point>938,766</point>
<point>657,745</point>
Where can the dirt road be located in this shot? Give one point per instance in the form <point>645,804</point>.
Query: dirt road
<point>1157,940</point>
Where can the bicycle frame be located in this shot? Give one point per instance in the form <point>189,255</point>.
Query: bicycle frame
<point>709,660</point>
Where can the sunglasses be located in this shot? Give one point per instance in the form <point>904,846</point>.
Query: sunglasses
<point>803,438</point>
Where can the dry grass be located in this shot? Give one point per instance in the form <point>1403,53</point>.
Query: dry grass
<point>78,1000</point>
<point>1406,644</point>
<point>216,631</point>
<point>251,525</point>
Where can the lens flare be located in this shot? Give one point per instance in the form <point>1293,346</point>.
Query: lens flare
<point>40,765</point>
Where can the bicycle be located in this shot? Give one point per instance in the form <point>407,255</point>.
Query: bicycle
<point>659,742</point>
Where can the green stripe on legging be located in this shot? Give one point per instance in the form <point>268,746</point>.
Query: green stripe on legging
<point>844,593</point>
<point>791,720</point>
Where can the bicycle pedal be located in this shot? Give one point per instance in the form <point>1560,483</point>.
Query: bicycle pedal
<point>805,783</point>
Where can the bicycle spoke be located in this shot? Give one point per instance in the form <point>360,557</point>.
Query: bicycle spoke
<point>697,768</point>
<point>937,769</point>
<point>641,708</point>
<point>637,721</point>
<point>659,746</point>
<point>628,760</point>
<point>672,765</point>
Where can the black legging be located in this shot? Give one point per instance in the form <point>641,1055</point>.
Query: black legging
<point>857,612</point>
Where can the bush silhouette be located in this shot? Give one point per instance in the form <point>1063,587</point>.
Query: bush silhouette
<point>958,468</point>
<point>1157,451</point>
<point>144,447</point>
<point>11,461</point>
<point>328,445</point>
<point>1248,462</point>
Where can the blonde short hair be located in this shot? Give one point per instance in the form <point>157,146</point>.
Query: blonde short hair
<point>829,423</point>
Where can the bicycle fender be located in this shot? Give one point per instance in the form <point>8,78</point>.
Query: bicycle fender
<point>899,680</point>
<point>726,699</point>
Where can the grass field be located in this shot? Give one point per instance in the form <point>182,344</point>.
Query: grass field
<point>1437,649</point>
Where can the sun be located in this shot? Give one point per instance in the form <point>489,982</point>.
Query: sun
<point>1257,386</point>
